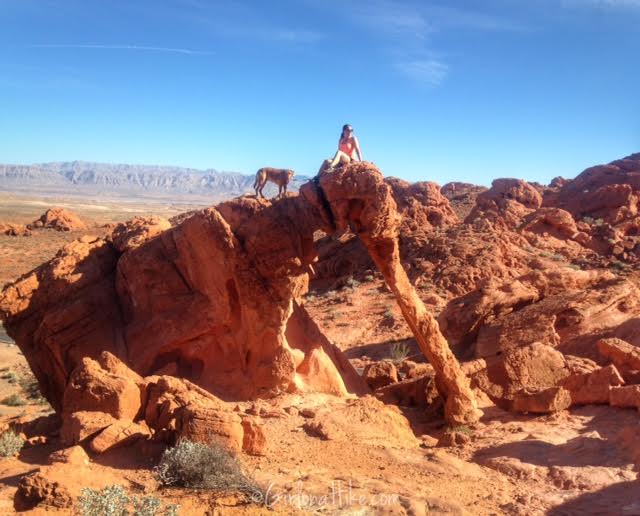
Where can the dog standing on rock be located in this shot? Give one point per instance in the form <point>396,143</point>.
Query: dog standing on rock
<point>279,176</point>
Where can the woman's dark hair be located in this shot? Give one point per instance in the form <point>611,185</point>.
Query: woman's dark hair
<point>344,128</point>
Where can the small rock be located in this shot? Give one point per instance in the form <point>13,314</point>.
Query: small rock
<point>254,441</point>
<point>121,433</point>
<point>74,455</point>
<point>308,413</point>
<point>36,489</point>
<point>380,374</point>
<point>324,430</point>
<point>450,439</point>
<point>37,440</point>
<point>292,411</point>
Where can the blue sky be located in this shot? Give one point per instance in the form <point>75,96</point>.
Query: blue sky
<point>465,91</point>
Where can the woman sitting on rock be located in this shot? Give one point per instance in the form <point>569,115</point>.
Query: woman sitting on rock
<point>348,149</point>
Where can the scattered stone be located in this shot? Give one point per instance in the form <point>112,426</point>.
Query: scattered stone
<point>627,396</point>
<point>453,438</point>
<point>325,430</point>
<point>594,386</point>
<point>254,440</point>
<point>74,455</point>
<point>621,353</point>
<point>380,374</point>
<point>92,388</point>
<point>82,425</point>
<point>121,433</point>
<point>36,489</point>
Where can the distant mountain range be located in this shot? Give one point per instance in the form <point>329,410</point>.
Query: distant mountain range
<point>127,181</point>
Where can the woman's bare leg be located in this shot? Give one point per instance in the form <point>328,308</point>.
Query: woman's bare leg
<point>340,157</point>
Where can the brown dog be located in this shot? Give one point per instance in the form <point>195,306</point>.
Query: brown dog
<point>279,176</point>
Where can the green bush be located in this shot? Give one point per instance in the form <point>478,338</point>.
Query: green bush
<point>352,283</point>
<point>399,351</point>
<point>110,501</point>
<point>10,444</point>
<point>200,466</point>
<point>10,376</point>
<point>15,400</point>
<point>114,501</point>
<point>32,389</point>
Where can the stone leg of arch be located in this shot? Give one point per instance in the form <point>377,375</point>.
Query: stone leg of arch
<point>460,405</point>
<point>357,196</point>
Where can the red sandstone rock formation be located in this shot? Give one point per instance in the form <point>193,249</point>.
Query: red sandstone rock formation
<point>195,302</point>
<point>462,196</point>
<point>356,196</point>
<point>506,202</point>
<point>14,230</point>
<point>59,219</point>
<point>213,300</point>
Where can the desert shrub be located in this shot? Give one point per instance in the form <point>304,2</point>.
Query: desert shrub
<point>14,400</point>
<point>399,351</point>
<point>388,313</point>
<point>10,444</point>
<point>369,277</point>
<point>146,506</point>
<point>201,466</point>
<point>114,501</point>
<point>31,387</point>
<point>460,429</point>
<point>352,283</point>
<point>9,376</point>
<point>110,501</point>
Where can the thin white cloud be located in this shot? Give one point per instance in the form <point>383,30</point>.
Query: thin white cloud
<point>444,18</point>
<point>387,16</point>
<point>613,4</point>
<point>140,48</point>
<point>425,71</point>
<point>406,30</point>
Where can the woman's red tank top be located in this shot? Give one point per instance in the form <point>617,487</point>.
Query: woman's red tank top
<point>347,146</point>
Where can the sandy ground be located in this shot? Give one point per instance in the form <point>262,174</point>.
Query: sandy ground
<point>19,255</point>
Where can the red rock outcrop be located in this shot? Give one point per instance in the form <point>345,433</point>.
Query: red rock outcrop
<point>355,196</point>
<point>462,196</point>
<point>59,219</point>
<point>605,201</point>
<point>563,308</point>
<point>14,230</point>
<point>213,300</point>
<point>137,231</point>
<point>422,208</point>
<point>505,203</point>
<point>421,205</point>
<point>232,302</point>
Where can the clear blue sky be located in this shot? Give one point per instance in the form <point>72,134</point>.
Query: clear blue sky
<point>465,91</point>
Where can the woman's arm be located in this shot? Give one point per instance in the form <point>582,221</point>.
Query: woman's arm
<point>357,146</point>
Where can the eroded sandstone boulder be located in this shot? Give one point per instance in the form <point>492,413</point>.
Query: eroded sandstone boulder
<point>379,374</point>
<point>37,489</point>
<point>14,230</point>
<point>60,219</point>
<point>134,233</point>
<point>506,202</point>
